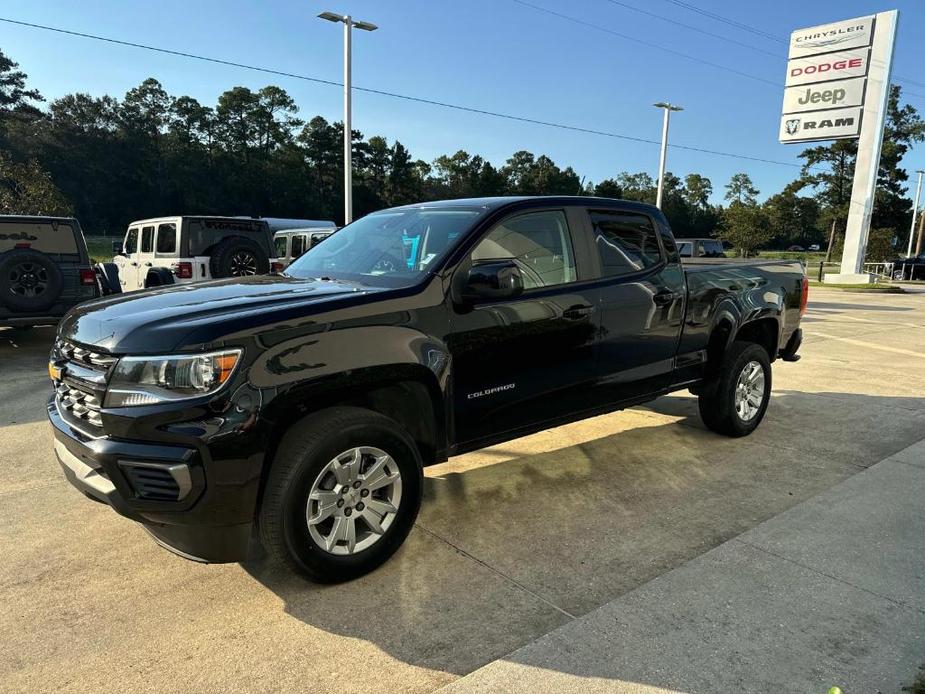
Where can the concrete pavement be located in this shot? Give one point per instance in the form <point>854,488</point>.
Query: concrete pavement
<point>512,542</point>
<point>831,592</point>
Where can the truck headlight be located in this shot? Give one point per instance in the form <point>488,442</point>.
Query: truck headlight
<point>153,380</point>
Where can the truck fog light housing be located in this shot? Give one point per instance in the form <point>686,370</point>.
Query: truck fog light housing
<point>138,381</point>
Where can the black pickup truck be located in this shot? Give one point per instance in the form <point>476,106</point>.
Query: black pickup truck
<point>301,408</point>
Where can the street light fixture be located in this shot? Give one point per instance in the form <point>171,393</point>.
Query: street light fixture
<point>349,23</point>
<point>668,107</point>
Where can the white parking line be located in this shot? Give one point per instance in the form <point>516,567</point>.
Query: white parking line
<point>871,345</point>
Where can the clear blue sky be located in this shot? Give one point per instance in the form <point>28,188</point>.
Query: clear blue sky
<point>493,54</point>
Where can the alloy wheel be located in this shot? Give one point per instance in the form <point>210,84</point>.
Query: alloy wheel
<point>243,263</point>
<point>354,500</point>
<point>28,279</point>
<point>749,391</point>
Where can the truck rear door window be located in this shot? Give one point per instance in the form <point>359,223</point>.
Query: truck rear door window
<point>147,239</point>
<point>46,237</point>
<point>627,242</point>
<point>539,244</point>
<point>166,239</point>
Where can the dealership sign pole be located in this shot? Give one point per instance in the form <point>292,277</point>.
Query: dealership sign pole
<point>838,87</point>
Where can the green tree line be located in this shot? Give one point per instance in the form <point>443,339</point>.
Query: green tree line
<point>109,161</point>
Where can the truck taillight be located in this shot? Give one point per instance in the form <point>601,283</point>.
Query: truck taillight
<point>87,276</point>
<point>277,267</point>
<point>804,296</point>
<point>184,271</point>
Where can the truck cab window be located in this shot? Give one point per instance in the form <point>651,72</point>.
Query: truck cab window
<point>298,245</point>
<point>131,241</point>
<point>147,239</point>
<point>539,244</point>
<point>627,242</point>
<point>166,239</point>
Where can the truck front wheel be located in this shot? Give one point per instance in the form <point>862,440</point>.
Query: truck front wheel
<point>736,403</point>
<point>342,495</point>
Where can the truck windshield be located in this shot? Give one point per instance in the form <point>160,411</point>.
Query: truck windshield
<point>393,248</point>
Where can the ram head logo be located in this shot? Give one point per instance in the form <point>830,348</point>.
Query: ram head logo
<point>793,126</point>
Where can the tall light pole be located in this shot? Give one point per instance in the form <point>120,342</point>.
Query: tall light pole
<point>668,107</point>
<point>349,23</point>
<point>915,212</point>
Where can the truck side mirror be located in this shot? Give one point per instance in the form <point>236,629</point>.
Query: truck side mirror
<point>117,248</point>
<point>493,280</point>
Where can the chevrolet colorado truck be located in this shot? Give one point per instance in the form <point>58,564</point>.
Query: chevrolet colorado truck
<point>300,408</point>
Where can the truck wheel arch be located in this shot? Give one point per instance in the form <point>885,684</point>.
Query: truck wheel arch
<point>414,401</point>
<point>764,331</point>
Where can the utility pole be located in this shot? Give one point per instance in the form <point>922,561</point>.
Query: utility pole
<point>915,212</point>
<point>918,244</point>
<point>349,23</point>
<point>668,108</point>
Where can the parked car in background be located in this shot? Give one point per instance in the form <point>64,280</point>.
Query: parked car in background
<point>181,250</point>
<point>701,248</point>
<point>44,269</point>
<point>292,243</point>
<point>814,247</point>
<point>912,268</point>
<point>796,249</point>
<point>303,406</point>
<point>282,224</point>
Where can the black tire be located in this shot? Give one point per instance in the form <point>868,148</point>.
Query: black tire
<point>238,257</point>
<point>717,401</point>
<point>306,448</point>
<point>107,275</point>
<point>30,282</point>
<point>158,277</point>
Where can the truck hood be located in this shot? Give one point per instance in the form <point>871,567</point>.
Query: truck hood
<point>191,315</point>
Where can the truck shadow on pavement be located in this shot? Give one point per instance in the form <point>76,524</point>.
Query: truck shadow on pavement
<point>24,384</point>
<point>504,552</point>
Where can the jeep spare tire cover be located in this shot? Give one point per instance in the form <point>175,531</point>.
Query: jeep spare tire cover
<point>238,257</point>
<point>30,281</point>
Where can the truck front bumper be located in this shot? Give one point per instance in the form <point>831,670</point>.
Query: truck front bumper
<point>163,487</point>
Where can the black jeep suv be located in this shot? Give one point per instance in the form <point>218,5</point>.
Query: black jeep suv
<point>44,270</point>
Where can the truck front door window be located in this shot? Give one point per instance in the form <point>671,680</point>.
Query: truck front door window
<point>131,242</point>
<point>538,242</point>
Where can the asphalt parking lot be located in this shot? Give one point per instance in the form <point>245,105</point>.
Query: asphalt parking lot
<point>512,542</point>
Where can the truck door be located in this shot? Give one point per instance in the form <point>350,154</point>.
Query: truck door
<point>127,261</point>
<point>522,361</point>
<point>642,303</point>
<point>144,258</point>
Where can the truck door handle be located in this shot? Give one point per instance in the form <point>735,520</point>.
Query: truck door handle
<point>134,264</point>
<point>663,298</point>
<point>148,264</point>
<point>577,312</point>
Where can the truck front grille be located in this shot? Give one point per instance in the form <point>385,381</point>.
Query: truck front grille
<point>81,405</point>
<point>82,355</point>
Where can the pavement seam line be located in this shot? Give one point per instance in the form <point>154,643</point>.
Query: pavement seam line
<point>894,601</point>
<point>501,574</point>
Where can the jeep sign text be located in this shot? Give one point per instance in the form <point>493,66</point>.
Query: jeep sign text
<point>815,97</point>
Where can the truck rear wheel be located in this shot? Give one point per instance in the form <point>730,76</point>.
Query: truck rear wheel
<point>342,495</point>
<point>736,403</point>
